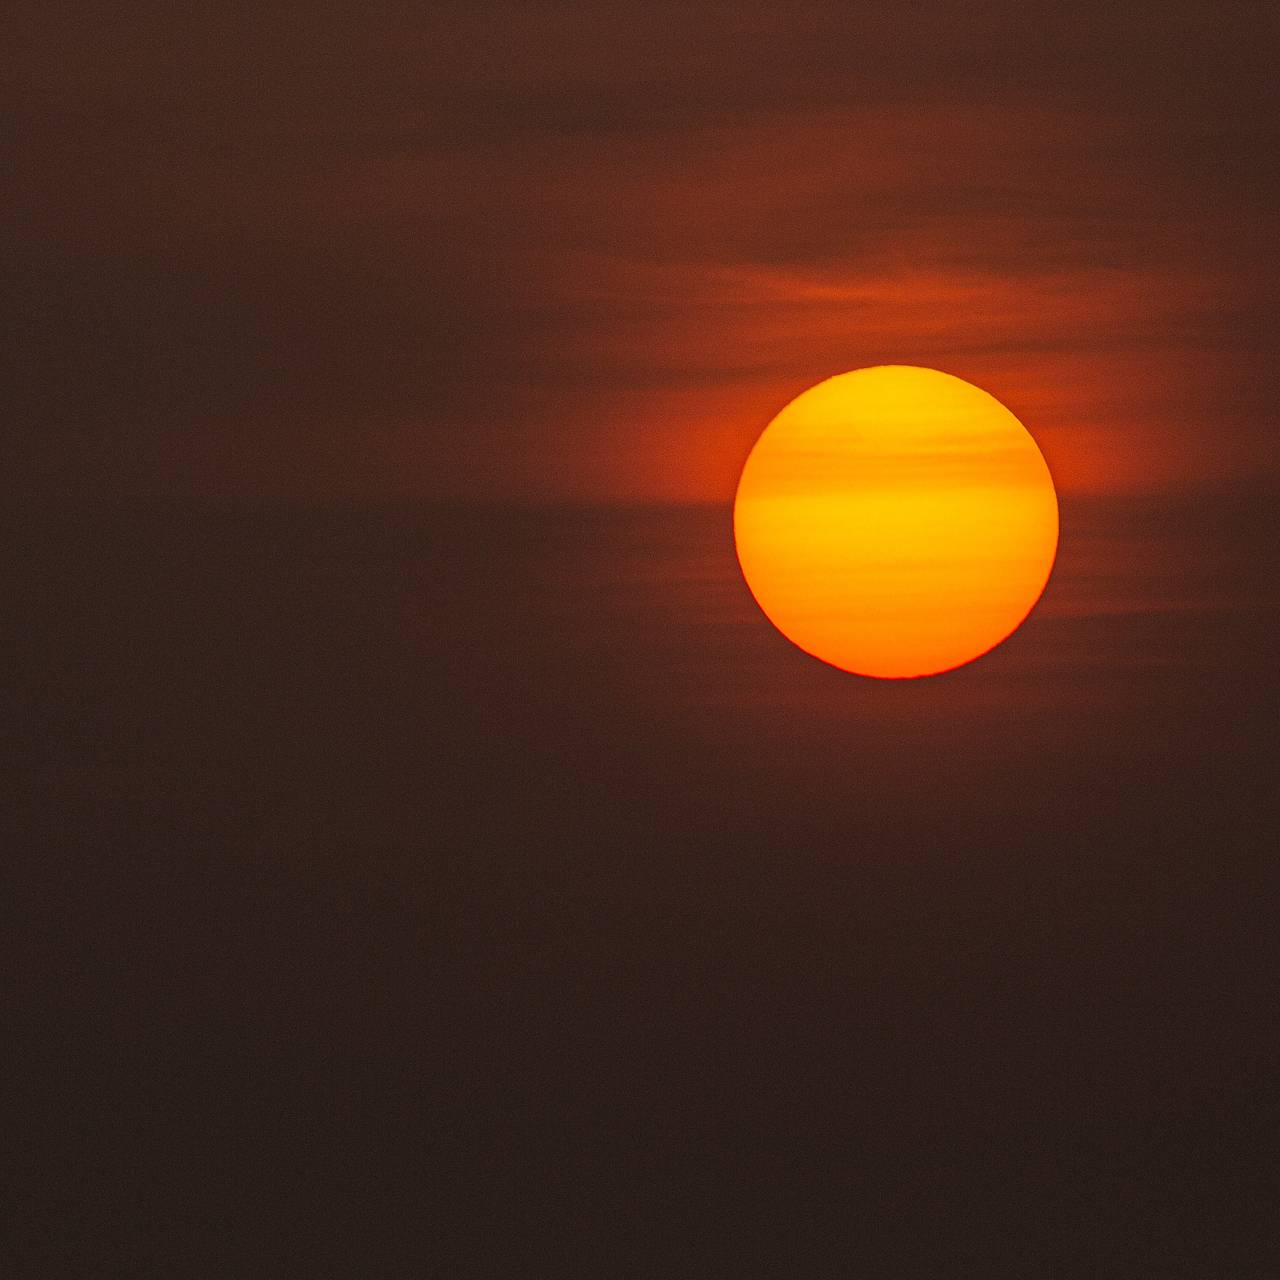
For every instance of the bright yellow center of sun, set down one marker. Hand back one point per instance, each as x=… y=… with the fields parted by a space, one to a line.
x=896 y=521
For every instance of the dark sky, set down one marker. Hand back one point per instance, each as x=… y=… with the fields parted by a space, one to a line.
x=533 y=250
x=477 y=889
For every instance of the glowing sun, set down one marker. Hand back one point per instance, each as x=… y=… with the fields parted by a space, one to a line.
x=896 y=522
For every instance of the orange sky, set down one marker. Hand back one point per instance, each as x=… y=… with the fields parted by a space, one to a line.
x=559 y=251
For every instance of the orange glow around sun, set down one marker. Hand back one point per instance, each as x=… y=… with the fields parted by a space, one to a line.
x=896 y=522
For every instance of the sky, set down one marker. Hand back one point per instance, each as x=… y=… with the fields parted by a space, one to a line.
x=585 y=252
x=414 y=876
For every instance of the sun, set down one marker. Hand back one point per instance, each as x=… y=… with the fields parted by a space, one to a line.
x=896 y=522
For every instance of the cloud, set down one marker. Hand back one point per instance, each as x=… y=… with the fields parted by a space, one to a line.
x=544 y=249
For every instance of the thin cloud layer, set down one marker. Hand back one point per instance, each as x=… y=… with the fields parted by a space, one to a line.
x=546 y=251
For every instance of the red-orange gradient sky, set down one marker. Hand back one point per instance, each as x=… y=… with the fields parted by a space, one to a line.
x=565 y=251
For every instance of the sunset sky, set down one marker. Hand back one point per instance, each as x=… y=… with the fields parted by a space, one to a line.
x=540 y=251
x=457 y=835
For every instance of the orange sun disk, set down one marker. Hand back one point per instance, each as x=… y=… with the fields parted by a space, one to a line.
x=896 y=522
